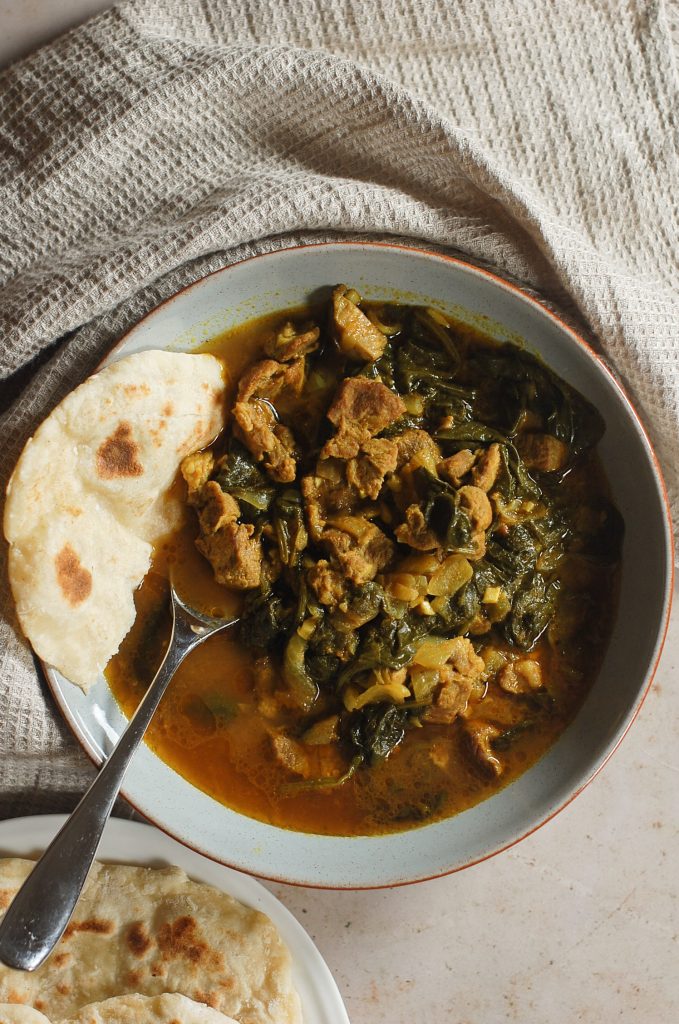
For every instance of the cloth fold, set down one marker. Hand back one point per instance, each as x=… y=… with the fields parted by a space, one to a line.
x=163 y=140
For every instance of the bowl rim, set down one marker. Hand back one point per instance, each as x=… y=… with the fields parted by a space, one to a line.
x=50 y=674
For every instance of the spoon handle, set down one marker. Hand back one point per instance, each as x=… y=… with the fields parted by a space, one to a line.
x=39 y=913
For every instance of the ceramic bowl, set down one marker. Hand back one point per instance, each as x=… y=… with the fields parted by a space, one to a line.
x=288 y=278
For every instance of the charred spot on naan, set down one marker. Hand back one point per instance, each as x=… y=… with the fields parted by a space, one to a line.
x=138 y=939
x=92 y=924
x=75 y=581
x=181 y=940
x=6 y=897
x=61 y=959
x=117 y=456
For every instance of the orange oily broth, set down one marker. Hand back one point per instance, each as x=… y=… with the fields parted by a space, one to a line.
x=210 y=731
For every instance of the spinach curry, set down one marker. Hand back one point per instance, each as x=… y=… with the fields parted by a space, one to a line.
x=418 y=535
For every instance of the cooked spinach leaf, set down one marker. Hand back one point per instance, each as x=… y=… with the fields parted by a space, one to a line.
x=518 y=384
x=442 y=513
x=512 y=733
x=460 y=610
x=532 y=610
x=287 y=516
x=329 y=648
x=265 y=620
x=290 y=788
x=377 y=729
x=237 y=473
x=387 y=643
x=424 y=364
x=512 y=554
x=382 y=369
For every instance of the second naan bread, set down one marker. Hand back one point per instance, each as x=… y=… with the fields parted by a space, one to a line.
x=169 y=1008
x=11 y=1013
x=152 y=931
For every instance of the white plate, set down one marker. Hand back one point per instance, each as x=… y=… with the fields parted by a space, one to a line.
x=129 y=842
x=287 y=278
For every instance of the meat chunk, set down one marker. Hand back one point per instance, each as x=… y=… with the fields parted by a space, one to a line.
x=542 y=452
x=456 y=466
x=312 y=761
x=291 y=755
x=257 y=422
x=359 y=548
x=416 y=442
x=288 y=343
x=272 y=381
x=196 y=470
x=314 y=492
x=475 y=503
x=367 y=471
x=327 y=583
x=483 y=465
x=480 y=736
x=450 y=701
x=464 y=660
x=520 y=676
x=360 y=409
x=324 y=731
x=234 y=554
x=485 y=472
x=217 y=508
x=326 y=495
x=458 y=677
x=415 y=532
x=477 y=548
x=356 y=336
x=270 y=442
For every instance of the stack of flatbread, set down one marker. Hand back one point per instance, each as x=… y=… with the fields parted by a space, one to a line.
x=90 y=495
x=150 y=946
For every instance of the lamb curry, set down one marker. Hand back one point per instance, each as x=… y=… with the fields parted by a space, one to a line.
x=413 y=524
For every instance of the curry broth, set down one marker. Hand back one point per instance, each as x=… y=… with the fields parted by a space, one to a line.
x=209 y=729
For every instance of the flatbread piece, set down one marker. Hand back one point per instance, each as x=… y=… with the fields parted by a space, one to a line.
x=150 y=931
x=88 y=498
x=169 y=1008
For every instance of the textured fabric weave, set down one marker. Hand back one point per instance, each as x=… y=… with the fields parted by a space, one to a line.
x=164 y=139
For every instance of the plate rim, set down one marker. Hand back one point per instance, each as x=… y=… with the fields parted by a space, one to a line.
x=542 y=309
x=319 y=993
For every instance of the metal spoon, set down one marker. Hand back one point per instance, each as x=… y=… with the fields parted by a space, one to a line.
x=39 y=913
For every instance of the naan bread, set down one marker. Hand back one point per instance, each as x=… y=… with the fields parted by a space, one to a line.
x=88 y=498
x=10 y=1013
x=151 y=931
x=170 y=1008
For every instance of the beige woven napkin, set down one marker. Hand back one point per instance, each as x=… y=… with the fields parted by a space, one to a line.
x=165 y=139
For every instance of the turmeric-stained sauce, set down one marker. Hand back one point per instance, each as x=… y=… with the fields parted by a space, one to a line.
x=227 y=703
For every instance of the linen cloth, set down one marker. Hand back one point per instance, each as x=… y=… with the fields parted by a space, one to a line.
x=163 y=140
